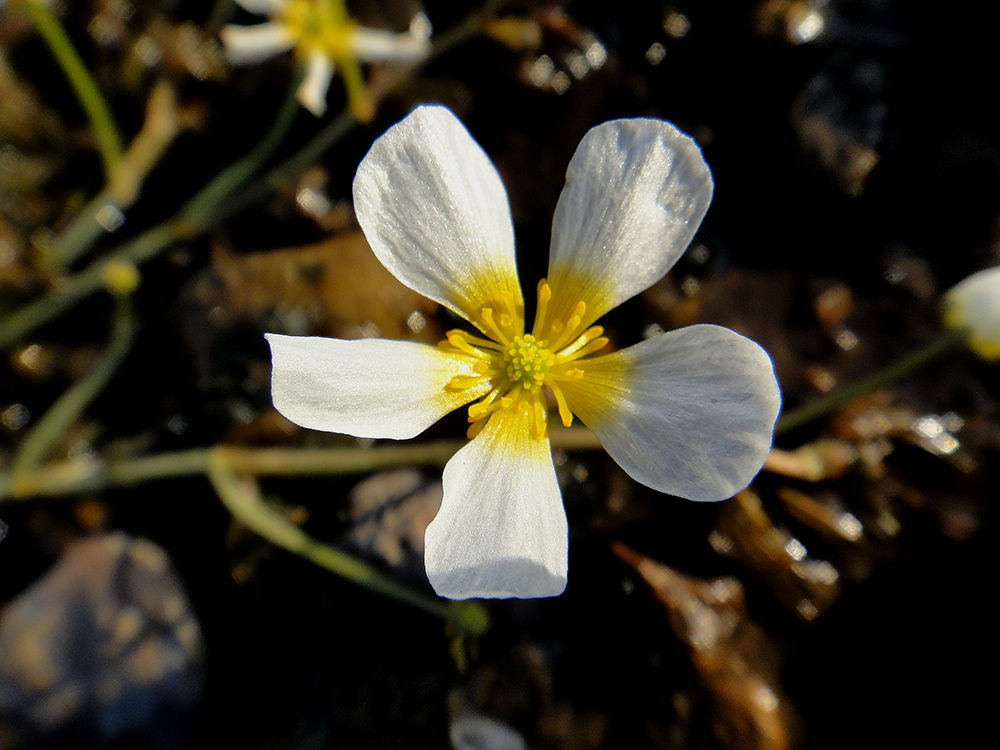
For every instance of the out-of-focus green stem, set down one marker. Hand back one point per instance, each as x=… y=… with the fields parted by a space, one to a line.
x=75 y=400
x=161 y=127
x=94 y=475
x=80 y=286
x=879 y=379
x=195 y=217
x=241 y=495
x=198 y=213
x=109 y=141
x=214 y=203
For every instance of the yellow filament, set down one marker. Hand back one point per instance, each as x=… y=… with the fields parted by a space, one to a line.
x=472 y=339
x=463 y=382
x=564 y=413
x=487 y=315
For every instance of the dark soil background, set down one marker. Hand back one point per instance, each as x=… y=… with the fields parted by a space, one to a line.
x=855 y=147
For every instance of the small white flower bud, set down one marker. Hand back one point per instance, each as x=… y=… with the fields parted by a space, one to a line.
x=973 y=305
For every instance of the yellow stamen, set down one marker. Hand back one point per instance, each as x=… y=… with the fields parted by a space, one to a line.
x=564 y=413
x=544 y=295
x=463 y=382
x=539 y=423
x=571 y=325
x=472 y=339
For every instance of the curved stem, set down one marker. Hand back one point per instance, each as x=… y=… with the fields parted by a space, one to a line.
x=78 y=397
x=241 y=496
x=879 y=379
x=109 y=141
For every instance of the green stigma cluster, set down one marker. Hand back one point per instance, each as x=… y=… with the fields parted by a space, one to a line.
x=528 y=361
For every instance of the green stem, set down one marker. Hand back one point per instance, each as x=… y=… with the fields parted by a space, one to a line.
x=75 y=400
x=213 y=204
x=28 y=318
x=199 y=212
x=241 y=495
x=880 y=379
x=194 y=218
x=162 y=125
x=109 y=141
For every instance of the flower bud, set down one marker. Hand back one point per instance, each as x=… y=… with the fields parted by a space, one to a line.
x=973 y=305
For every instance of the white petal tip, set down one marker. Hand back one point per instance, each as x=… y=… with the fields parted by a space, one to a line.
x=503 y=579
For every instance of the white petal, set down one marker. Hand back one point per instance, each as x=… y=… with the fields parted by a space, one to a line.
x=470 y=730
x=636 y=191
x=690 y=412
x=312 y=90
x=372 y=45
x=501 y=530
x=435 y=212
x=262 y=7
x=368 y=388
x=251 y=44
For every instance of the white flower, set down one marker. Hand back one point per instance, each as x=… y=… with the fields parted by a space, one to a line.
x=690 y=412
x=973 y=305
x=325 y=37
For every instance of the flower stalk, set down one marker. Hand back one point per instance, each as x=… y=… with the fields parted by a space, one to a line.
x=893 y=373
x=240 y=494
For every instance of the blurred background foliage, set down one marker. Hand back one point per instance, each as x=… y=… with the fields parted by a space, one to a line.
x=843 y=599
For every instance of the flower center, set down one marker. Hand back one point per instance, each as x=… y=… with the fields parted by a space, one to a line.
x=516 y=365
x=317 y=25
x=528 y=361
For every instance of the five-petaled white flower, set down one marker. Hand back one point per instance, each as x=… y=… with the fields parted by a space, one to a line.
x=689 y=412
x=324 y=36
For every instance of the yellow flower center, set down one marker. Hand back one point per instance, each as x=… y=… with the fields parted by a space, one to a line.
x=318 y=26
x=528 y=361
x=519 y=366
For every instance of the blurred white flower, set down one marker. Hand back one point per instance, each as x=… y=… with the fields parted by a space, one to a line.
x=690 y=412
x=973 y=305
x=325 y=37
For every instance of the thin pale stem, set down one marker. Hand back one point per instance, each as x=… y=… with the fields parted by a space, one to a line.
x=109 y=142
x=880 y=379
x=94 y=475
x=241 y=495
